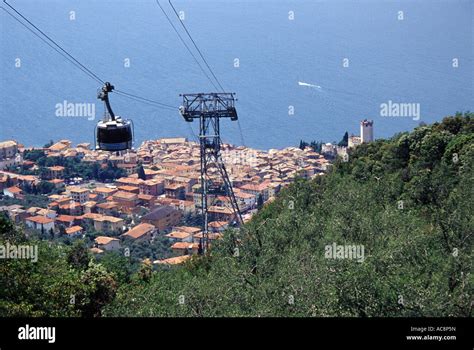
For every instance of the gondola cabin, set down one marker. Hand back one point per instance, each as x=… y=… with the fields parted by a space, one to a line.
x=113 y=133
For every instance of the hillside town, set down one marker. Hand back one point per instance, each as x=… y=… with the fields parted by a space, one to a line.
x=148 y=197
x=155 y=196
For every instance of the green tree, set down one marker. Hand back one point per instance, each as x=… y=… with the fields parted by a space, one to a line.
x=345 y=140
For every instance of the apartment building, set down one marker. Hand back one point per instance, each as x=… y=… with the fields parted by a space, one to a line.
x=80 y=195
x=163 y=218
x=108 y=224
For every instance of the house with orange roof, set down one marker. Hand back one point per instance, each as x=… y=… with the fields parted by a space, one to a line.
x=183 y=233
x=175 y=191
x=128 y=188
x=176 y=260
x=46 y=212
x=184 y=248
x=13 y=192
x=59 y=146
x=40 y=223
x=58 y=183
x=126 y=201
x=245 y=200
x=54 y=172
x=88 y=218
x=129 y=168
x=146 y=200
x=154 y=187
x=218 y=226
x=107 y=243
x=107 y=208
x=181 y=205
x=141 y=232
x=66 y=220
x=74 y=231
x=104 y=192
x=129 y=181
x=71 y=208
x=210 y=235
x=89 y=206
x=261 y=189
x=221 y=213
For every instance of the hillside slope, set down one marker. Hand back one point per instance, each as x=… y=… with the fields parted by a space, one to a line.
x=408 y=201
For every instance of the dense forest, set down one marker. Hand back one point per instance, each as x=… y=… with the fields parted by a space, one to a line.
x=407 y=200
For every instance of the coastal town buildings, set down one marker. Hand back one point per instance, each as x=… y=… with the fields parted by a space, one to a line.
x=160 y=202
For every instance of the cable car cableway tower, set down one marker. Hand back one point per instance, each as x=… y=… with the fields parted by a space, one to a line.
x=209 y=108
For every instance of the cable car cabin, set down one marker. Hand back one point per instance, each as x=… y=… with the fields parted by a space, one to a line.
x=114 y=135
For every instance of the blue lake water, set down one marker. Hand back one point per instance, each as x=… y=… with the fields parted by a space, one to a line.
x=409 y=60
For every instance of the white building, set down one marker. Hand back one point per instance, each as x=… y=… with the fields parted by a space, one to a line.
x=366 y=131
x=353 y=141
x=9 y=154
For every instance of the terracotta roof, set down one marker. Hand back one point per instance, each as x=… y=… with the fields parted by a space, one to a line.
x=159 y=213
x=220 y=210
x=104 y=190
x=124 y=195
x=174 y=260
x=178 y=234
x=78 y=190
x=56 y=168
x=91 y=216
x=130 y=180
x=108 y=218
x=255 y=187
x=73 y=229
x=139 y=231
x=59 y=145
x=69 y=205
x=211 y=235
x=242 y=194
x=40 y=219
x=14 y=189
x=56 y=181
x=104 y=240
x=33 y=210
x=107 y=205
x=44 y=212
x=184 y=245
x=66 y=218
x=188 y=229
x=152 y=182
x=218 y=224
x=128 y=188
x=146 y=197
x=173 y=186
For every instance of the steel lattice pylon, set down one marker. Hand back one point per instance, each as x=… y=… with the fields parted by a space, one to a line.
x=209 y=108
